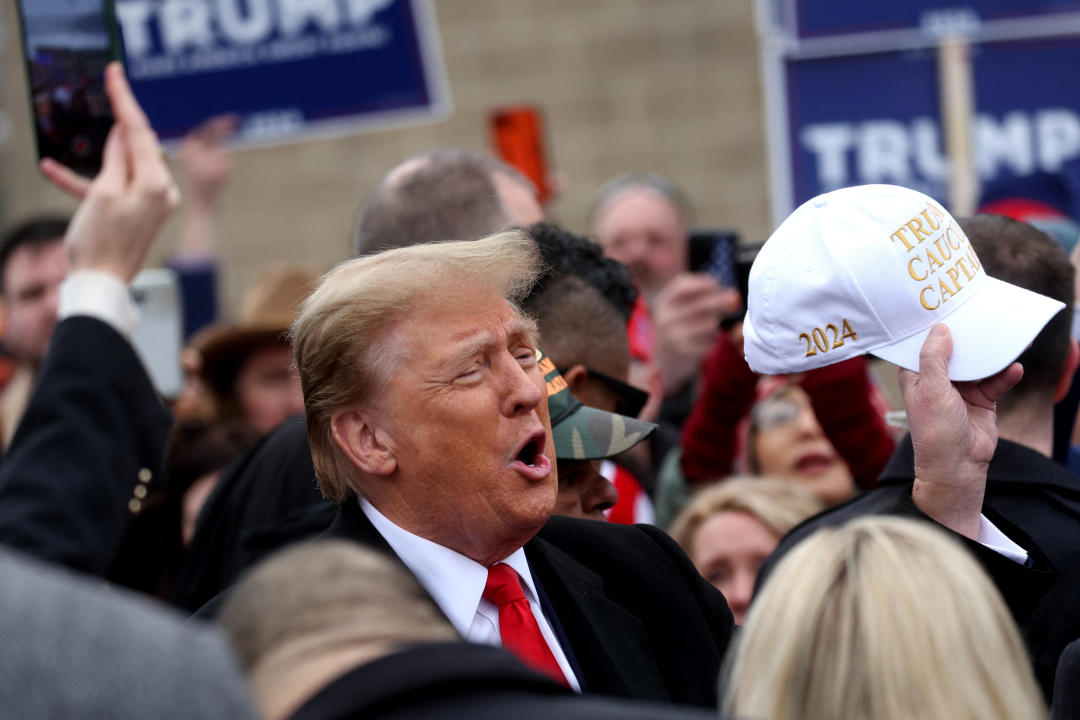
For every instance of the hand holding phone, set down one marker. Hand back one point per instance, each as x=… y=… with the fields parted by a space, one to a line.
x=66 y=47
x=125 y=206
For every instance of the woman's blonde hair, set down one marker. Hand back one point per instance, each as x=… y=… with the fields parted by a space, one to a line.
x=338 y=337
x=882 y=618
x=776 y=503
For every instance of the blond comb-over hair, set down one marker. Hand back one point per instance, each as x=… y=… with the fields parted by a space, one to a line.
x=338 y=337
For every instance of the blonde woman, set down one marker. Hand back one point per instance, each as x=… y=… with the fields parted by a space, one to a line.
x=880 y=619
x=729 y=529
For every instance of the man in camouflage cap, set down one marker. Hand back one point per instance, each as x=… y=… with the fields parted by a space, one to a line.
x=583 y=437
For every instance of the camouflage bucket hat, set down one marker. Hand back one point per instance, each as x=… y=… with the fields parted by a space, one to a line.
x=582 y=432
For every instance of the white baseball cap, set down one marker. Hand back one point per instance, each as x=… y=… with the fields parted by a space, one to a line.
x=870 y=269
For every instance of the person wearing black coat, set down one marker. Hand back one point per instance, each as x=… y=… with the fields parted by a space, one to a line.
x=1027 y=494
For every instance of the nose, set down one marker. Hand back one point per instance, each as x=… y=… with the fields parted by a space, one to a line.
x=807 y=423
x=52 y=302
x=523 y=387
x=598 y=495
x=739 y=594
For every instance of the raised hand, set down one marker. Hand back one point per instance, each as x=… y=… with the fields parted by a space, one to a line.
x=954 y=433
x=686 y=316
x=125 y=206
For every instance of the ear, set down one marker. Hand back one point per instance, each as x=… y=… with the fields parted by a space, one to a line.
x=577 y=380
x=1072 y=359
x=363 y=441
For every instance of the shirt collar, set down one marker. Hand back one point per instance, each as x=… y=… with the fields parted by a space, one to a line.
x=455 y=582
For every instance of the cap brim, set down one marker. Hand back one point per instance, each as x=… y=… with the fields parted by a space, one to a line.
x=592 y=434
x=988 y=331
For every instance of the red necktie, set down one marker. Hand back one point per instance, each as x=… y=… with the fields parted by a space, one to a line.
x=517 y=625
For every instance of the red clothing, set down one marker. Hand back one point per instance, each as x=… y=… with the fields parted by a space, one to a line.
x=841 y=395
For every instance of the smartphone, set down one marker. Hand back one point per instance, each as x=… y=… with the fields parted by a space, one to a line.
x=159 y=336
x=714 y=252
x=66 y=45
x=517 y=136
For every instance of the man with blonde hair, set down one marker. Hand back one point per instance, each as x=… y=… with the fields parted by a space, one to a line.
x=428 y=422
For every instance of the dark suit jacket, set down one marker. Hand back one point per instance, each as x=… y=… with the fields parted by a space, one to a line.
x=1035 y=502
x=639 y=620
x=448 y=681
x=94 y=424
x=254 y=495
x=1066 y=705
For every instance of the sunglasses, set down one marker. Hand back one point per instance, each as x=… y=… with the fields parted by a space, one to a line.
x=629 y=400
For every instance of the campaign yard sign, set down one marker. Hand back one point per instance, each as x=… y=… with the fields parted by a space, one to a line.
x=289 y=69
x=854 y=98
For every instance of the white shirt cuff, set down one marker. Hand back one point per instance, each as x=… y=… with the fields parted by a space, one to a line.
x=100 y=295
x=991 y=537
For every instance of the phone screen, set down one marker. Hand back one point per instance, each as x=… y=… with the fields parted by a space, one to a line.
x=715 y=252
x=66 y=46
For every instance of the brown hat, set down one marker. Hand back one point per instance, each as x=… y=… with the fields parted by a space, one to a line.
x=267 y=311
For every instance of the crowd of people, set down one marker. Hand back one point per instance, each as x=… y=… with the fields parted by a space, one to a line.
x=489 y=467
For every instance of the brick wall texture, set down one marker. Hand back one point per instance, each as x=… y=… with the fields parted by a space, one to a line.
x=625 y=85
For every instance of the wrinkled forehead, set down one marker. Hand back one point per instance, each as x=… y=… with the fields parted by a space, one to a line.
x=443 y=324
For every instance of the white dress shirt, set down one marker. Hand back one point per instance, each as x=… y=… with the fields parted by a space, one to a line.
x=100 y=295
x=456 y=583
x=999 y=542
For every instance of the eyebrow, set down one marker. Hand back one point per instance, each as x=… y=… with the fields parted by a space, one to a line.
x=527 y=326
x=484 y=340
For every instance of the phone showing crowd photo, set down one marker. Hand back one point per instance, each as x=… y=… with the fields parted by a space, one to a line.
x=66 y=46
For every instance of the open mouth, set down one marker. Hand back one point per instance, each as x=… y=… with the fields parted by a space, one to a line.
x=531 y=460
x=533 y=449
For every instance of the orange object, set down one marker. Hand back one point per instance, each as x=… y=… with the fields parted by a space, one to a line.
x=517 y=136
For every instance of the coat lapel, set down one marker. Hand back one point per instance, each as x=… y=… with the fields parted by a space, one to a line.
x=608 y=642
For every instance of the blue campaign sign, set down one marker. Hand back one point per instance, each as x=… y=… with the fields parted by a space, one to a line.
x=820 y=18
x=875 y=118
x=852 y=92
x=287 y=68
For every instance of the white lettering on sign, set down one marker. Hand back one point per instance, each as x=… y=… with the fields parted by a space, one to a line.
x=1004 y=143
x=891 y=151
x=830 y=143
x=297 y=15
x=1058 y=134
x=185 y=25
x=248 y=28
x=192 y=25
x=882 y=152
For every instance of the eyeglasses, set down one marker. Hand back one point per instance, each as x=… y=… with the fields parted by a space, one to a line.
x=629 y=400
x=774 y=412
